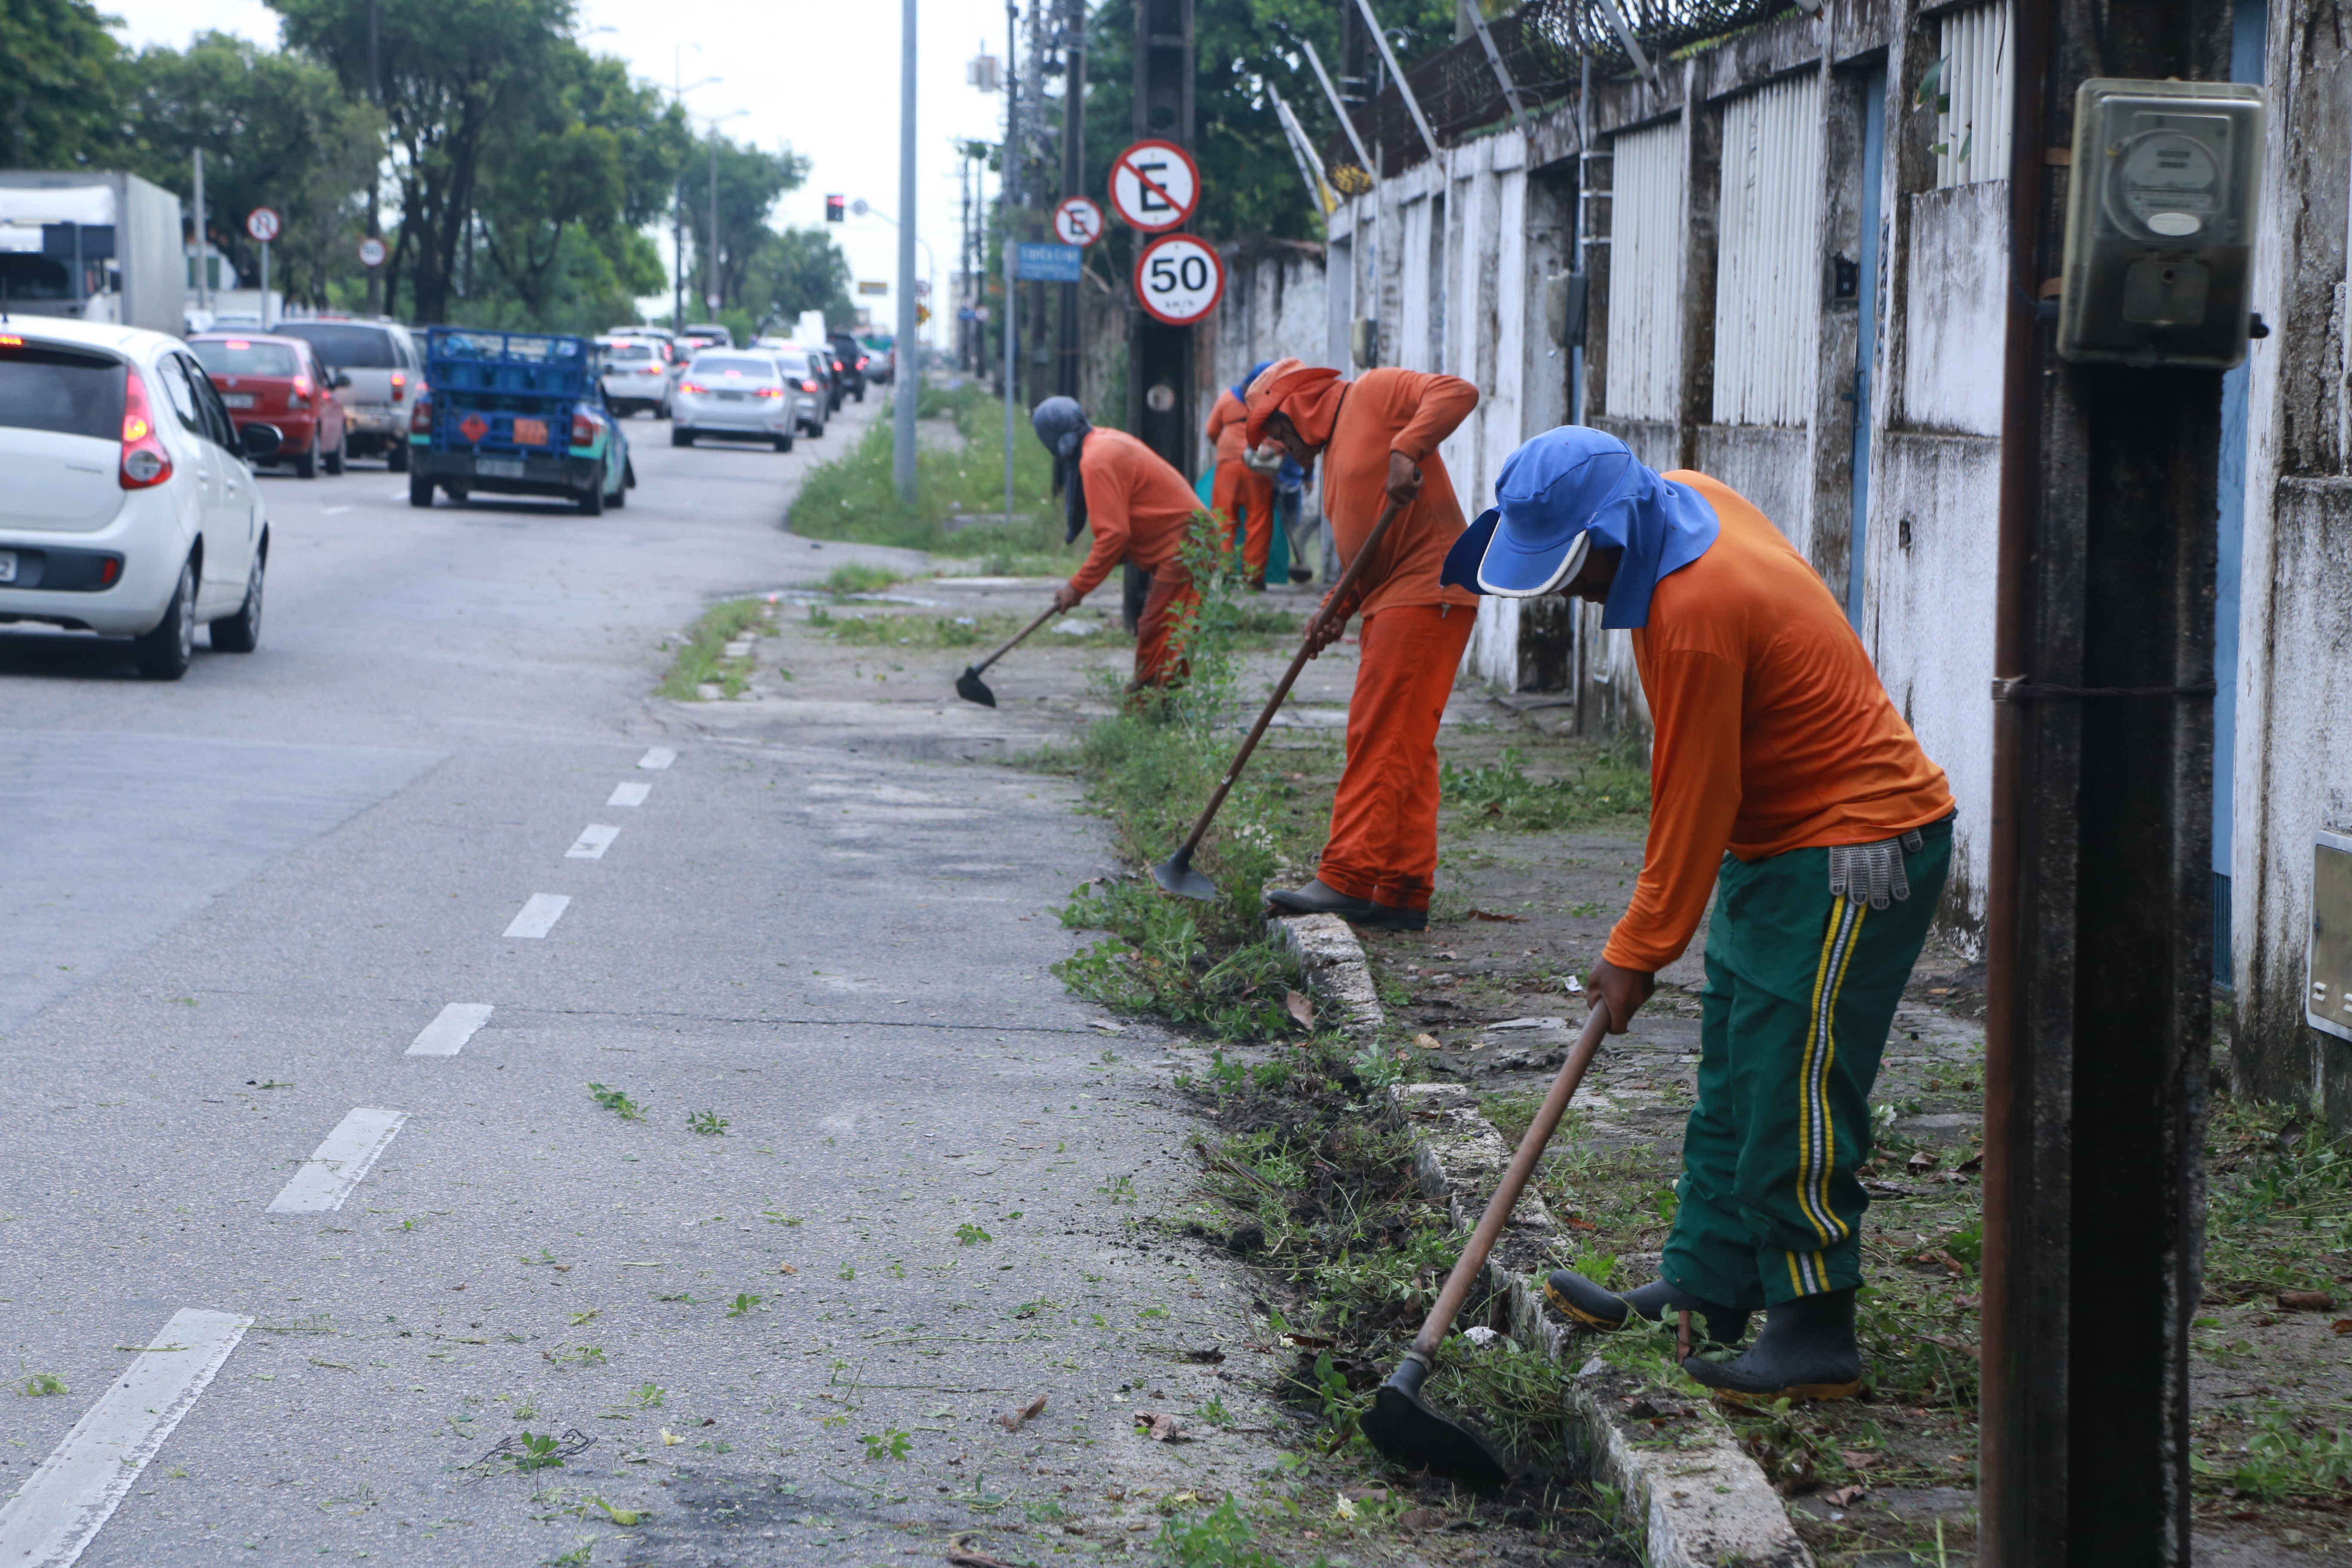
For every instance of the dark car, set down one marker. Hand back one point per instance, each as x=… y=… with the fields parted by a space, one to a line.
x=849 y=358
x=264 y=379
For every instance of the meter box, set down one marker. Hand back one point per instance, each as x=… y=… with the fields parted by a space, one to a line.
x=2328 y=1003
x=2160 y=222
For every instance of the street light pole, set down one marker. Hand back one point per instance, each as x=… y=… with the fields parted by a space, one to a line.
x=908 y=390
x=1007 y=186
x=711 y=256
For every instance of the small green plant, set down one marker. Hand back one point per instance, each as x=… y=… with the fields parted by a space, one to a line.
x=970 y=1235
x=42 y=1384
x=617 y=1101
x=710 y=1123
x=858 y=578
x=1120 y=1190
x=777 y=1217
x=650 y=1396
x=702 y=658
x=534 y=1451
x=1214 y=1412
x=848 y=1271
x=744 y=1305
x=1221 y=1538
x=890 y=1444
x=1501 y=794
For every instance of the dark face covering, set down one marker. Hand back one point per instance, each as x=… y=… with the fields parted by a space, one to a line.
x=1062 y=426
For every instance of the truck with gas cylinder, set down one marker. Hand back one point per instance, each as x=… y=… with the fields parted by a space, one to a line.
x=516 y=414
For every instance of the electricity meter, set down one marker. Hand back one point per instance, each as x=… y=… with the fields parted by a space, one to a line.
x=2160 y=222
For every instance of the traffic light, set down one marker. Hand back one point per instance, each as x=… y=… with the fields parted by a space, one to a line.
x=835 y=208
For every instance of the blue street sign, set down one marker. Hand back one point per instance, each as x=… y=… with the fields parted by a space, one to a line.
x=1047 y=263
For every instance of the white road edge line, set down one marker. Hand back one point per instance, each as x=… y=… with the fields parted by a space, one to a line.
x=337 y=511
x=658 y=757
x=540 y=914
x=327 y=1176
x=630 y=794
x=447 y=1035
x=593 y=840
x=64 y=1504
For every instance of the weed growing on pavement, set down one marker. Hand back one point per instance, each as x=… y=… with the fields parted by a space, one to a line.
x=42 y=1384
x=1221 y=1538
x=617 y=1102
x=744 y=1305
x=890 y=1444
x=1613 y=783
x=858 y=577
x=702 y=658
x=852 y=497
x=970 y=1235
x=710 y=1123
x=533 y=1451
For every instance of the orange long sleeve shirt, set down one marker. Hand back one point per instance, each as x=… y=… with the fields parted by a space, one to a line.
x=1772 y=731
x=1137 y=506
x=1224 y=428
x=1406 y=411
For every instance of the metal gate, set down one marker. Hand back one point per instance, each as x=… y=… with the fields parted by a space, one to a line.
x=1767 y=291
x=1973 y=90
x=1647 y=231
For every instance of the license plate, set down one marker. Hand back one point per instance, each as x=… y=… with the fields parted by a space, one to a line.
x=531 y=432
x=238 y=399
x=731 y=397
x=7 y=566
x=499 y=468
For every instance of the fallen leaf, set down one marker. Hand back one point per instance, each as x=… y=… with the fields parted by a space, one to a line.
x=1105 y=1025
x=1013 y=1420
x=563 y=1269
x=1973 y=1163
x=1160 y=1428
x=1843 y=1498
x=1920 y=1163
x=1427 y=1042
x=2306 y=1302
x=1860 y=1459
x=2342 y=1325
x=669 y=1438
x=963 y=1555
x=786 y=1268
x=1300 y=1008
x=1499 y=919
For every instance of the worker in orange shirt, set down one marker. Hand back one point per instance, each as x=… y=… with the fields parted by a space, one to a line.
x=1141 y=508
x=1377 y=437
x=1784 y=782
x=1241 y=493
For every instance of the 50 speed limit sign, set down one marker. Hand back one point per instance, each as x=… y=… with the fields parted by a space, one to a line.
x=1179 y=279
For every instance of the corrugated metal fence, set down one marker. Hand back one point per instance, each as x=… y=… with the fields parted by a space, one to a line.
x=1646 y=236
x=1767 y=297
x=1974 y=82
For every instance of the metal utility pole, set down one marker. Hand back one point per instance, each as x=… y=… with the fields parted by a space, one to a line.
x=711 y=251
x=2097 y=935
x=203 y=262
x=374 y=213
x=1008 y=188
x=908 y=386
x=1074 y=178
x=1160 y=367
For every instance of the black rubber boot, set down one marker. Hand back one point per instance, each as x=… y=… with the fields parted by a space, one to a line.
x=1388 y=917
x=1579 y=1299
x=1807 y=1351
x=1315 y=899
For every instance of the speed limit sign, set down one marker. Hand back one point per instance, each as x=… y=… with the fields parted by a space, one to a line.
x=1155 y=185
x=1179 y=279
x=262 y=223
x=1077 y=221
x=372 y=252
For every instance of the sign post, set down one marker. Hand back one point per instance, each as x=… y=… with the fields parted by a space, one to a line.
x=264 y=225
x=1154 y=186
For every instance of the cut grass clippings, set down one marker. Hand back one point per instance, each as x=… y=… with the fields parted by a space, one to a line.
x=702 y=658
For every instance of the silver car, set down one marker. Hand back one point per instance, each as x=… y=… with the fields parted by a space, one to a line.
x=806 y=381
x=636 y=376
x=387 y=377
x=736 y=394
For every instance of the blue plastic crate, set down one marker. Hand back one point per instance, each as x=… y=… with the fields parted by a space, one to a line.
x=531 y=364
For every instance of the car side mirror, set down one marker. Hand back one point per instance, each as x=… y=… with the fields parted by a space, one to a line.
x=262 y=441
x=342 y=379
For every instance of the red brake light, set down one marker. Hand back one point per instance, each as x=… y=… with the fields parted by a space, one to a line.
x=692 y=386
x=808 y=386
x=301 y=386
x=420 y=418
x=10 y=340
x=584 y=426
x=145 y=463
x=399 y=385
x=768 y=392
x=239 y=343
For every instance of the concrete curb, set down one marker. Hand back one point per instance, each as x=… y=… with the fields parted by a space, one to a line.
x=1327 y=948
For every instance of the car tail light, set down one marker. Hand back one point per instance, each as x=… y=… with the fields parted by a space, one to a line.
x=808 y=386
x=301 y=396
x=768 y=392
x=420 y=418
x=145 y=463
x=836 y=365
x=584 y=426
x=863 y=362
x=109 y=571
x=400 y=386
x=692 y=386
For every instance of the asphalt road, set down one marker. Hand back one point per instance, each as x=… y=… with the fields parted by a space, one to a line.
x=309 y=1206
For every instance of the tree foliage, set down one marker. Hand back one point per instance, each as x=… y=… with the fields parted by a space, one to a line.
x=746 y=183
x=57 y=65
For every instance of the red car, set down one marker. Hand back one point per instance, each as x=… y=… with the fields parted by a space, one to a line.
x=281 y=382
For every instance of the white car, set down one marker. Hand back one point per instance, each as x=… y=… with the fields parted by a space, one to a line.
x=801 y=383
x=735 y=393
x=130 y=508
x=636 y=376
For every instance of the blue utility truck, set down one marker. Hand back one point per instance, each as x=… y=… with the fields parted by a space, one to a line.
x=516 y=414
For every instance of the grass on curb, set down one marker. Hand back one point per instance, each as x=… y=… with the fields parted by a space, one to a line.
x=854 y=497
x=702 y=658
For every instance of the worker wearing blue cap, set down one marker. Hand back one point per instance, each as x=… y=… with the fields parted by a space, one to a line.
x=1784 y=782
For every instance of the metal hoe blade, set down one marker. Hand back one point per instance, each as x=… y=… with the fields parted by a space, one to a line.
x=972 y=688
x=1176 y=875
x=1406 y=1430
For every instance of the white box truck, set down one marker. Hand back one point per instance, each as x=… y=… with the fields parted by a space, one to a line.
x=93 y=247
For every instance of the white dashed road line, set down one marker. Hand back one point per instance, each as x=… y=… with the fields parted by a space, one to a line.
x=658 y=757
x=327 y=1177
x=539 y=915
x=630 y=794
x=593 y=840
x=447 y=1035
x=69 y=1499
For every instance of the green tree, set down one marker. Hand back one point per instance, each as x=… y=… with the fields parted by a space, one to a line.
x=749 y=183
x=56 y=83
x=799 y=269
x=277 y=130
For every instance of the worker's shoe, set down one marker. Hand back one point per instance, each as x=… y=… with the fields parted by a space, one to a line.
x=1255 y=584
x=1807 y=1351
x=1388 y=917
x=1315 y=899
x=1580 y=1299
x=1301 y=574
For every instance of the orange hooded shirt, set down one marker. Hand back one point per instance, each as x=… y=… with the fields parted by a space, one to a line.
x=1227 y=427
x=1358 y=424
x=1138 y=508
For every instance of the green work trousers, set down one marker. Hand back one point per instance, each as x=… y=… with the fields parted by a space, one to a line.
x=1800 y=992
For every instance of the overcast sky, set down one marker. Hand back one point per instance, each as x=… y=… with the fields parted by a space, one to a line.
x=820 y=76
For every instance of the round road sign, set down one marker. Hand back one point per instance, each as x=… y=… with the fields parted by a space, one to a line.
x=372 y=252
x=1179 y=279
x=1077 y=221
x=1154 y=186
x=263 y=225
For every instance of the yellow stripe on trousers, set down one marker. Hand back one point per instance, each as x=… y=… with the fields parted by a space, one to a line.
x=1816 y=1134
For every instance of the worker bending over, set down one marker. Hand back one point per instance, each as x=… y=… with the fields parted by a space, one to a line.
x=1241 y=492
x=1140 y=509
x=1377 y=437
x=1783 y=780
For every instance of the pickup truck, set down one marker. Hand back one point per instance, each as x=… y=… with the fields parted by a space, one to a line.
x=516 y=414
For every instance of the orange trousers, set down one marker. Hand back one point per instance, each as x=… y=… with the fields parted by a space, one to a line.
x=1239 y=494
x=1383 y=844
x=1172 y=591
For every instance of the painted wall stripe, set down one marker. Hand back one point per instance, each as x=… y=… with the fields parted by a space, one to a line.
x=630 y=794
x=538 y=915
x=447 y=1035
x=658 y=757
x=593 y=840
x=327 y=1176
x=65 y=1503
